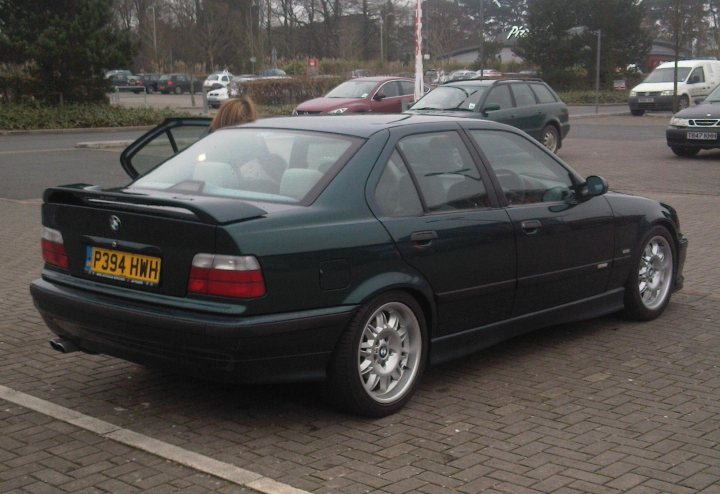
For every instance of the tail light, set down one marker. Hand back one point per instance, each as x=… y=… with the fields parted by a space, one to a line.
x=53 y=249
x=169 y=83
x=226 y=276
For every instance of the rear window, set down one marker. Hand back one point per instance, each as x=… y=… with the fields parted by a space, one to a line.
x=256 y=164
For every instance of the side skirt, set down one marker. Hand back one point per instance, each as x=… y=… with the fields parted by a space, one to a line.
x=460 y=344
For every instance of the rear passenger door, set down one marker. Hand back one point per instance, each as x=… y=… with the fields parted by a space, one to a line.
x=528 y=115
x=436 y=204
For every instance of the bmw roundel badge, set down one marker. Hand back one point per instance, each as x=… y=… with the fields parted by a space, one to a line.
x=115 y=223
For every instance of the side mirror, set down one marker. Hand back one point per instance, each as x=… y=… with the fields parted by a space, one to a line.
x=595 y=186
x=491 y=107
x=694 y=80
x=379 y=95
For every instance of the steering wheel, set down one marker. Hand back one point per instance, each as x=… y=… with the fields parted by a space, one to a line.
x=557 y=193
x=512 y=185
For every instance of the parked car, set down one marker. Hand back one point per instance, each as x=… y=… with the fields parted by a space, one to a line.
x=381 y=94
x=273 y=74
x=217 y=97
x=149 y=81
x=178 y=84
x=217 y=80
x=460 y=75
x=354 y=74
x=696 y=128
x=695 y=80
x=488 y=73
x=124 y=80
x=356 y=249
x=528 y=104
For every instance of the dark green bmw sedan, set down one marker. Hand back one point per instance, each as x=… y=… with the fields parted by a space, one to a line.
x=352 y=249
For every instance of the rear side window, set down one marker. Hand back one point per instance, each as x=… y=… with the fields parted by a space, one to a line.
x=444 y=171
x=544 y=95
x=395 y=193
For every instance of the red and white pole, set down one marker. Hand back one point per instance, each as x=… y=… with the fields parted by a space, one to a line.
x=418 y=51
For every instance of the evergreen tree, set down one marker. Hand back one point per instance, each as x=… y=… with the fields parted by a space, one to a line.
x=553 y=44
x=69 y=44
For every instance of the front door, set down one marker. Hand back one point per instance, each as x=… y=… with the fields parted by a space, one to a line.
x=564 y=246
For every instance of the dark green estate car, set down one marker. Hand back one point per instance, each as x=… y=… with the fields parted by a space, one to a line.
x=528 y=104
x=355 y=249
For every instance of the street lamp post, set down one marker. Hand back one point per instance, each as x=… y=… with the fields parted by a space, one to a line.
x=155 y=39
x=381 y=40
x=597 y=72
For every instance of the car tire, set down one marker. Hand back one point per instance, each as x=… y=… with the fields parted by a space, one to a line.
x=550 y=138
x=149 y=90
x=178 y=90
x=381 y=356
x=637 y=113
x=650 y=284
x=685 y=152
x=683 y=102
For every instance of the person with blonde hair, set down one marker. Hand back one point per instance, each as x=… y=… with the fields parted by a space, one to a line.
x=233 y=112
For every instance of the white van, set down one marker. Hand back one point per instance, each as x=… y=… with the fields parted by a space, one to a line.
x=696 y=78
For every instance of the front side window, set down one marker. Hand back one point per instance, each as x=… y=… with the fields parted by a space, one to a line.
x=444 y=171
x=255 y=164
x=526 y=173
x=697 y=74
x=500 y=95
x=390 y=89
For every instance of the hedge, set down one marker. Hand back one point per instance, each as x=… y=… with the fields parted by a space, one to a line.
x=69 y=116
x=290 y=91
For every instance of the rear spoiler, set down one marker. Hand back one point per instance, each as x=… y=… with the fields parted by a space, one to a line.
x=205 y=209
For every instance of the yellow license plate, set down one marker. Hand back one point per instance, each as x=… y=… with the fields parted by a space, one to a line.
x=123 y=266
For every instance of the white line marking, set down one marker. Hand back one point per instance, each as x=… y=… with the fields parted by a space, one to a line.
x=196 y=461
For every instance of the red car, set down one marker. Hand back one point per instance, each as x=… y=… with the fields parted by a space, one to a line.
x=382 y=94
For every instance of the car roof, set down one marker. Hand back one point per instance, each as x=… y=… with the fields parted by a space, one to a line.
x=381 y=78
x=363 y=125
x=488 y=82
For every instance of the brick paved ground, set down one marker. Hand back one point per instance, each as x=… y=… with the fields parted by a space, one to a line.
x=601 y=406
x=39 y=454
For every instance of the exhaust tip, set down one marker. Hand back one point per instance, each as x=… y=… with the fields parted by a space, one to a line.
x=63 y=346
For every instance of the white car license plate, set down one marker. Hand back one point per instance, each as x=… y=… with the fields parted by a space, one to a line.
x=702 y=136
x=646 y=100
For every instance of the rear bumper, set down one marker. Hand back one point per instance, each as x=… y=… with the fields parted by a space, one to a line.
x=678 y=138
x=280 y=347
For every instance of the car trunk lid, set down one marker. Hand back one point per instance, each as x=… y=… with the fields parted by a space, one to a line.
x=138 y=241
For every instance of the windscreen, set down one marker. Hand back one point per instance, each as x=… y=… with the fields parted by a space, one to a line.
x=352 y=89
x=451 y=98
x=666 y=74
x=255 y=164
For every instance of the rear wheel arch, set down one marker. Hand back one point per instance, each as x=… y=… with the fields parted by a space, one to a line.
x=380 y=357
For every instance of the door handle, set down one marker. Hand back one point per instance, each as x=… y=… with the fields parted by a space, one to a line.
x=530 y=227
x=423 y=238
